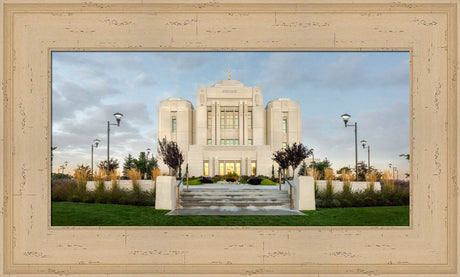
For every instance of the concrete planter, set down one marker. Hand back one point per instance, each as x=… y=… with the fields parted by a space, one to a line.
x=355 y=186
x=145 y=185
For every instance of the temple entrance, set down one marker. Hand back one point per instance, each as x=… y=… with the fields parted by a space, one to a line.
x=228 y=167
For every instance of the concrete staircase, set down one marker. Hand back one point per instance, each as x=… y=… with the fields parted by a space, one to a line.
x=234 y=200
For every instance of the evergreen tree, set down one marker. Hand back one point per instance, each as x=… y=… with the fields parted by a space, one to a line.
x=130 y=162
x=321 y=167
x=113 y=164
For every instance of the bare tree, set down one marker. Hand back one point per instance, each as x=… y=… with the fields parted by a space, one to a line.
x=171 y=155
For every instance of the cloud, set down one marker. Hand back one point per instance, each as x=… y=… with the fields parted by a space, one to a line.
x=386 y=130
x=144 y=80
x=344 y=73
x=283 y=73
x=395 y=76
x=76 y=135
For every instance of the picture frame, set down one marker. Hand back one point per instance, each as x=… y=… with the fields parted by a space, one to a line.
x=31 y=30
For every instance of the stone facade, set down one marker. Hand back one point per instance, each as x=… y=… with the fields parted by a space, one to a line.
x=229 y=130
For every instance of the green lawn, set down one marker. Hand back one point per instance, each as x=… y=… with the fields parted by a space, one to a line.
x=80 y=214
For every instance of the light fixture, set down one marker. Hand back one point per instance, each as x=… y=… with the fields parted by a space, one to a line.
x=346 y=117
x=118 y=117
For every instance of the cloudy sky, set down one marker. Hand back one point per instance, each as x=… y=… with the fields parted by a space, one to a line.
x=373 y=87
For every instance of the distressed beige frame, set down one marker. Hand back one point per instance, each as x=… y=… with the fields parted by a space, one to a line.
x=31 y=30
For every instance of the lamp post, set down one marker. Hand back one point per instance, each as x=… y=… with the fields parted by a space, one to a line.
x=96 y=141
x=147 y=163
x=345 y=118
x=313 y=160
x=363 y=142
x=118 y=117
x=63 y=166
x=394 y=168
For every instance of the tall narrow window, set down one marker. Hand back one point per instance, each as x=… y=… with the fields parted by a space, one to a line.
x=209 y=119
x=284 y=145
x=235 y=119
x=284 y=125
x=249 y=119
x=238 y=168
x=174 y=125
x=206 y=169
x=209 y=141
x=253 y=168
x=221 y=168
x=249 y=141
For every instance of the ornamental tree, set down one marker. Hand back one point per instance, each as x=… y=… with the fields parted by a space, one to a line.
x=171 y=155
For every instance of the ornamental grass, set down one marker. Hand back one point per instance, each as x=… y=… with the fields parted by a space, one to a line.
x=371 y=178
x=329 y=176
x=347 y=178
x=99 y=177
x=81 y=176
x=115 y=178
x=134 y=175
x=388 y=182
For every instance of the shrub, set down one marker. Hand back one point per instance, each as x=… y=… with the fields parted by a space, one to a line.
x=268 y=182
x=216 y=179
x=57 y=176
x=194 y=182
x=63 y=189
x=206 y=180
x=401 y=184
x=244 y=179
x=254 y=181
x=367 y=198
x=231 y=177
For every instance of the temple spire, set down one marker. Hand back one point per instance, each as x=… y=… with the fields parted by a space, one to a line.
x=228 y=71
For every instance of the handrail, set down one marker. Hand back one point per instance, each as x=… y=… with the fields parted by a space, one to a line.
x=178 y=189
x=290 y=189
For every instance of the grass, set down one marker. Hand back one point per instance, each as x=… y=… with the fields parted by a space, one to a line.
x=81 y=214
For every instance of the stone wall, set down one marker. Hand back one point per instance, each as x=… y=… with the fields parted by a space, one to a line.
x=145 y=185
x=355 y=186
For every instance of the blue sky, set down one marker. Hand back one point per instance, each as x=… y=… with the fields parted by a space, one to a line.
x=373 y=87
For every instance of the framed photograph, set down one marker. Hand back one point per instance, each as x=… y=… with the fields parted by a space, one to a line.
x=33 y=32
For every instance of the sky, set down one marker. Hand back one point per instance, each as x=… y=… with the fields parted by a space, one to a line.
x=373 y=87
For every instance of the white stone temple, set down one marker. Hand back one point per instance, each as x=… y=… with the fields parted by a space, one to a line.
x=229 y=130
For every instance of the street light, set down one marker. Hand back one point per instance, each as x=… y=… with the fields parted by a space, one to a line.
x=118 y=117
x=363 y=142
x=63 y=167
x=146 y=163
x=394 y=169
x=345 y=118
x=96 y=141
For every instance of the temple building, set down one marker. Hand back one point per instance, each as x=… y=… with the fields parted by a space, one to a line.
x=229 y=130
